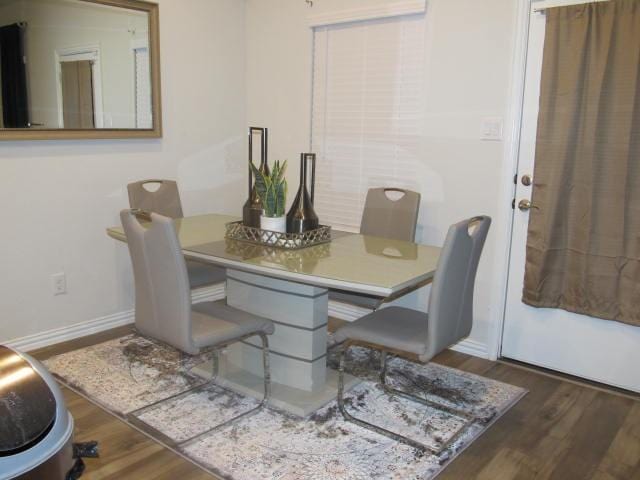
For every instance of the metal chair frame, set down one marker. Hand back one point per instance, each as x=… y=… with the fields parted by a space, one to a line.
x=133 y=416
x=470 y=419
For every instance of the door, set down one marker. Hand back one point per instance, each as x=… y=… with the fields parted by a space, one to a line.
x=77 y=94
x=595 y=349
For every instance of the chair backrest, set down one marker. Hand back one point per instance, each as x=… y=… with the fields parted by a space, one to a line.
x=451 y=301
x=165 y=200
x=384 y=217
x=163 y=296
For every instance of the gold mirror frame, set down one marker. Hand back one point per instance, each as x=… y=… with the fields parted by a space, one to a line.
x=152 y=9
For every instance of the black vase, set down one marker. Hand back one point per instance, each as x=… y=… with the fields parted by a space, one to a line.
x=253 y=206
x=302 y=217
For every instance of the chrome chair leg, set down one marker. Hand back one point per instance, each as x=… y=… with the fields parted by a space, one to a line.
x=439 y=406
x=370 y=426
x=133 y=416
x=207 y=383
x=253 y=411
x=267 y=369
x=215 y=366
x=383 y=431
x=383 y=367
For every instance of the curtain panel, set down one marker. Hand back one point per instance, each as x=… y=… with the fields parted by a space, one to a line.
x=583 y=245
x=14 y=77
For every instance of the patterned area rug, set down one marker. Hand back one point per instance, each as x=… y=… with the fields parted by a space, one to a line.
x=130 y=376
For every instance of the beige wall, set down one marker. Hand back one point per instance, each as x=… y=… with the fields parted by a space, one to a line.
x=59 y=196
x=227 y=64
x=468 y=64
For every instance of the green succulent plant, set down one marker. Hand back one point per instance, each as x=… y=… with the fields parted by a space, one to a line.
x=272 y=188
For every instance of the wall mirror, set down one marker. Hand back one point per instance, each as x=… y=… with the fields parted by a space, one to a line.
x=74 y=69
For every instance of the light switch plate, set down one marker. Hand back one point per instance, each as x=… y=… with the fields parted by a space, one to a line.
x=491 y=128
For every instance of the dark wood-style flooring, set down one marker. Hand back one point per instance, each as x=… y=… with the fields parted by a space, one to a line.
x=561 y=430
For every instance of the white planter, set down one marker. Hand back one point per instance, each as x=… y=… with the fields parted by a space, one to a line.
x=275 y=224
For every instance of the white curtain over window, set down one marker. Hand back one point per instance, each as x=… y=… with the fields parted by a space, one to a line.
x=144 y=117
x=368 y=108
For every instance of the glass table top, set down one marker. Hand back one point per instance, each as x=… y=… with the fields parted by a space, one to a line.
x=355 y=262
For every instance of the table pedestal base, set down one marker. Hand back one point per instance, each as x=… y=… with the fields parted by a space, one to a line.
x=298 y=347
x=293 y=400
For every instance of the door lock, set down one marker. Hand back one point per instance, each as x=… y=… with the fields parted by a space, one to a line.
x=526 y=180
x=525 y=205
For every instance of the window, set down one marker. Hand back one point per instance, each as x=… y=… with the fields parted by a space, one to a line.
x=144 y=116
x=368 y=108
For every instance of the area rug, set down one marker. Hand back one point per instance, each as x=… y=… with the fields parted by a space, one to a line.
x=134 y=374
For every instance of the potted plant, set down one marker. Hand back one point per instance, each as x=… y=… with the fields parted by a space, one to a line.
x=272 y=190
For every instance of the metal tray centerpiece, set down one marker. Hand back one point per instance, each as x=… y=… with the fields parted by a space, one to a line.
x=300 y=228
x=269 y=238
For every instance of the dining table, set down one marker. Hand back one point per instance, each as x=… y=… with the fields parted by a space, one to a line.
x=290 y=287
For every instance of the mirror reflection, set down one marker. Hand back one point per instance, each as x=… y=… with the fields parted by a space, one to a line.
x=71 y=64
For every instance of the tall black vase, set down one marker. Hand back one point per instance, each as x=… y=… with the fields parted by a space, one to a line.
x=302 y=217
x=253 y=206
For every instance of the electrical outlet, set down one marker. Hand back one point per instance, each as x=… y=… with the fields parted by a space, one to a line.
x=59 y=283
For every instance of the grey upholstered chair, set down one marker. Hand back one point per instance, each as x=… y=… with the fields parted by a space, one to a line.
x=163 y=307
x=424 y=335
x=166 y=201
x=387 y=218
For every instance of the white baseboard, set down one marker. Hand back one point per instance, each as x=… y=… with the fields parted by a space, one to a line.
x=209 y=294
x=472 y=347
x=339 y=310
x=347 y=312
x=59 y=335
x=83 y=329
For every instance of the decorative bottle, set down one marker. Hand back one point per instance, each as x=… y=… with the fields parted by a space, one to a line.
x=252 y=209
x=302 y=217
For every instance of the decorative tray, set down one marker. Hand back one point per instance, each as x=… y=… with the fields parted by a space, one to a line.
x=269 y=238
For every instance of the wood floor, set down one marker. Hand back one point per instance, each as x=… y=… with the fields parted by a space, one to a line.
x=560 y=430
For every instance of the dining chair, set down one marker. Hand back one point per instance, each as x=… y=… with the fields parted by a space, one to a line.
x=163 y=308
x=408 y=332
x=388 y=218
x=166 y=201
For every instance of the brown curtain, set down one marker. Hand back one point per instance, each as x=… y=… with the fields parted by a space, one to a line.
x=15 y=102
x=583 y=246
x=77 y=94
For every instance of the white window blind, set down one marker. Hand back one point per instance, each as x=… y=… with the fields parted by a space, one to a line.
x=368 y=108
x=144 y=117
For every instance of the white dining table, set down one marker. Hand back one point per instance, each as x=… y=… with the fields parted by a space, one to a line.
x=291 y=288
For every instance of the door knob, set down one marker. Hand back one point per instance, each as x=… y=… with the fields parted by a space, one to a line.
x=525 y=205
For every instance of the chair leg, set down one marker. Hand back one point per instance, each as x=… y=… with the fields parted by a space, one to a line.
x=214 y=375
x=215 y=366
x=383 y=367
x=267 y=369
x=390 y=390
x=394 y=391
x=370 y=426
x=253 y=411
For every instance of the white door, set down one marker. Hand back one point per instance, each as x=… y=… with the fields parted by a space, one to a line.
x=592 y=348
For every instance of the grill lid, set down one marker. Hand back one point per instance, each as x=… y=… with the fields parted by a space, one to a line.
x=27 y=405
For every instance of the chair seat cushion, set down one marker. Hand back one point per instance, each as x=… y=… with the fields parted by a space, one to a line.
x=394 y=328
x=214 y=323
x=201 y=274
x=358 y=299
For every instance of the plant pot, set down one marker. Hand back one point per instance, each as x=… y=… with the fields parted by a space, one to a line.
x=274 y=224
